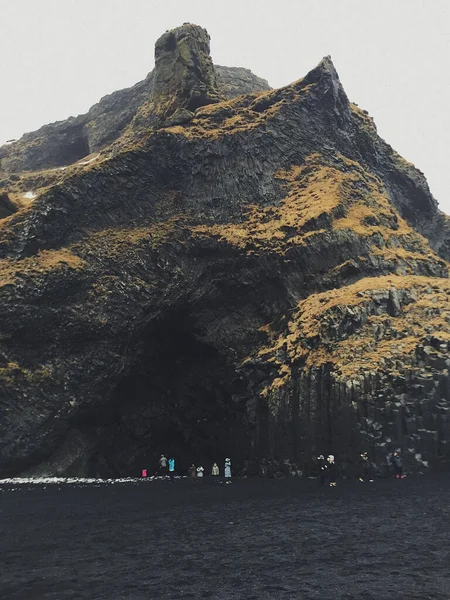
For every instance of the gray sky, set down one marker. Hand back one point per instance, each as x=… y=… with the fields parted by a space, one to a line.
x=58 y=57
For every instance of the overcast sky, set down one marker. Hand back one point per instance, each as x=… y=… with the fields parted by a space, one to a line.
x=58 y=57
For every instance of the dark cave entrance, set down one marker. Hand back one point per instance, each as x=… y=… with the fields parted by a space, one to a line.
x=72 y=144
x=181 y=398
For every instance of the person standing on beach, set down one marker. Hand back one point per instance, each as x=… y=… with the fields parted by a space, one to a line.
x=332 y=470
x=397 y=463
x=192 y=471
x=215 y=470
x=323 y=468
x=263 y=468
x=200 y=470
x=365 y=468
x=163 y=465
x=171 y=468
x=228 y=470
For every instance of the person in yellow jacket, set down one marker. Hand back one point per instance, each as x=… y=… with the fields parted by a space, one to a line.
x=215 y=470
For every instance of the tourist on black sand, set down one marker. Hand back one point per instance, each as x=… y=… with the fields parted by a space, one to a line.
x=215 y=470
x=331 y=470
x=171 y=468
x=200 y=470
x=192 y=470
x=398 y=465
x=365 y=468
x=163 y=465
x=228 y=470
x=323 y=468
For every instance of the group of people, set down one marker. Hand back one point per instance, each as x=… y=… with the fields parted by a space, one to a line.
x=326 y=468
x=166 y=466
x=198 y=472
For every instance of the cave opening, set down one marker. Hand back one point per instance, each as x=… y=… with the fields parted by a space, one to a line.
x=74 y=146
x=182 y=398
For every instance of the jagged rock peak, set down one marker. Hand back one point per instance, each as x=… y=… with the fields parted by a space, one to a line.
x=326 y=65
x=327 y=77
x=184 y=77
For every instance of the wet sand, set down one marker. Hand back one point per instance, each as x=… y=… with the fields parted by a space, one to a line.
x=251 y=540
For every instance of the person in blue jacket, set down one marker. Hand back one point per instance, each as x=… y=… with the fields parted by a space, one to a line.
x=171 y=468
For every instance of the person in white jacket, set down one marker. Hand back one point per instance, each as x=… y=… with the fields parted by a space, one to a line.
x=215 y=470
x=200 y=471
x=228 y=470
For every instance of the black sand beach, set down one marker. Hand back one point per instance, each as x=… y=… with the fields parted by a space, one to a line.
x=251 y=540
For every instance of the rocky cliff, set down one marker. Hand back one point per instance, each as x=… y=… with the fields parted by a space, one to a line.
x=265 y=278
x=183 y=61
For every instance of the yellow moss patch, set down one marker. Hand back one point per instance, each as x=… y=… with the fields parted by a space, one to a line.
x=320 y=198
x=240 y=114
x=44 y=262
x=310 y=310
x=396 y=254
x=314 y=191
x=12 y=373
x=117 y=243
x=380 y=342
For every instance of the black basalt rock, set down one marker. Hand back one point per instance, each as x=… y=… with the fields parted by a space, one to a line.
x=262 y=278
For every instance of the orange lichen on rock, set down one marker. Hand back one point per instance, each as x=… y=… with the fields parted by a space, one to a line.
x=12 y=374
x=117 y=242
x=43 y=262
x=327 y=197
x=242 y=113
x=353 y=330
x=314 y=194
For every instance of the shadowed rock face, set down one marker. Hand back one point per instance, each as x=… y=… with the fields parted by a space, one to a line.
x=259 y=281
x=7 y=207
x=234 y=81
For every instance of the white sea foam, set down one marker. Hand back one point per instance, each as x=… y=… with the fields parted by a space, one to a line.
x=66 y=480
x=76 y=480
